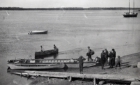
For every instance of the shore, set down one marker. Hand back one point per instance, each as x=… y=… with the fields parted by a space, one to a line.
x=129 y=63
x=69 y=8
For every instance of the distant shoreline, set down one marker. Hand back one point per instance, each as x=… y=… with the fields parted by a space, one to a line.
x=69 y=8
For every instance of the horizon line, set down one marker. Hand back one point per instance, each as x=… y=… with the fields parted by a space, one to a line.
x=65 y=7
x=69 y=8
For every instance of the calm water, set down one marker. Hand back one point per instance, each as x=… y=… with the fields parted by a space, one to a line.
x=70 y=31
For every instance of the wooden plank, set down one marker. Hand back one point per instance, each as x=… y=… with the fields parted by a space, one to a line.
x=77 y=75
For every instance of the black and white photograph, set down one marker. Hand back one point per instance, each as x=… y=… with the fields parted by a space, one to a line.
x=69 y=42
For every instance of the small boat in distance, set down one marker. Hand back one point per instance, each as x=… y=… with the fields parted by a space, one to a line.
x=130 y=14
x=38 y=32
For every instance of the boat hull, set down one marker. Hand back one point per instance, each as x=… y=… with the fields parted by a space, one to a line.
x=35 y=66
x=38 y=32
x=76 y=65
x=130 y=15
x=46 y=63
x=47 y=53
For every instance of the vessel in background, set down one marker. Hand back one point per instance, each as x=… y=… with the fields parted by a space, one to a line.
x=38 y=32
x=130 y=14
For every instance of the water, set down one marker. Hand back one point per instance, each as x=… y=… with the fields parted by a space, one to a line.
x=71 y=31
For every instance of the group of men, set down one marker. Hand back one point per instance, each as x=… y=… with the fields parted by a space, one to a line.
x=106 y=58
x=109 y=58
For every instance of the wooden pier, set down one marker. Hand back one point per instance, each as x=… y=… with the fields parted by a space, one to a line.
x=71 y=76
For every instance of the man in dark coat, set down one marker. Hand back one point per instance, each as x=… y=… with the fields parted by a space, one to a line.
x=81 y=61
x=114 y=56
x=106 y=56
x=110 y=59
x=102 y=59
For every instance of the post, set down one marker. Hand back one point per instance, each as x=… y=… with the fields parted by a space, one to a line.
x=94 y=81
x=21 y=74
x=129 y=6
x=48 y=78
x=69 y=78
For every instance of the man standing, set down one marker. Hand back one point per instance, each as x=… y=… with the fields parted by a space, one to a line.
x=114 y=56
x=55 y=48
x=81 y=59
x=106 y=56
x=41 y=48
x=102 y=59
x=90 y=53
x=118 y=62
x=111 y=59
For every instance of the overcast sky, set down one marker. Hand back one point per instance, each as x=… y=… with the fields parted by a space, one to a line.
x=67 y=3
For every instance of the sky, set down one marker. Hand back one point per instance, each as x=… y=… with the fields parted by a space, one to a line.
x=67 y=3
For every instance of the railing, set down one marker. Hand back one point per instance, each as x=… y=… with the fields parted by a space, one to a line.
x=43 y=61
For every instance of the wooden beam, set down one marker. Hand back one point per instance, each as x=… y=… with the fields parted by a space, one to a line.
x=94 y=80
x=77 y=75
x=110 y=77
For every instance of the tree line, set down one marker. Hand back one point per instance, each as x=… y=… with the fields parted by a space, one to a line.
x=68 y=8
